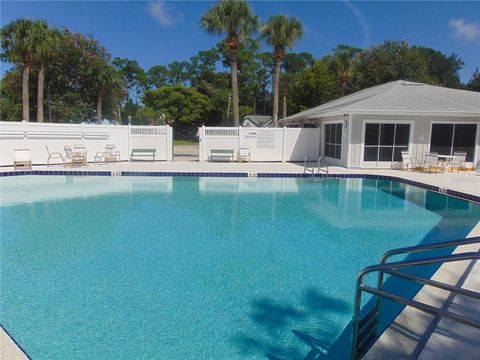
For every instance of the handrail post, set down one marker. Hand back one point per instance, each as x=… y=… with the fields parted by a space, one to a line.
x=305 y=161
x=356 y=318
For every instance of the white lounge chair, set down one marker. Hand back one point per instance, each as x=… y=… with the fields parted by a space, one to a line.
x=112 y=152
x=53 y=156
x=243 y=154
x=108 y=156
x=80 y=149
x=74 y=158
x=458 y=161
x=408 y=162
x=21 y=157
x=433 y=163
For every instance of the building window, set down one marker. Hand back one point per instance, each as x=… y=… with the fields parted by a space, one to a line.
x=384 y=142
x=333 y=141
x=448 y=138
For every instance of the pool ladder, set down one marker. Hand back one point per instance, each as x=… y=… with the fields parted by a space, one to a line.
x=309 y=166
x=365 y=329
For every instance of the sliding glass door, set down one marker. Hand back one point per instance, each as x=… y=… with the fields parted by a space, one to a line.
x=384 y=142
x=333 y=141
x=448 y=138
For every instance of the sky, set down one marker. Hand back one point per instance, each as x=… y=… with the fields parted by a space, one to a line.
x=160 y=32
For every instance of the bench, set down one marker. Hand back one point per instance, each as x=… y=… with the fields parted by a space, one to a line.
x=143 y=154
x=221 y=155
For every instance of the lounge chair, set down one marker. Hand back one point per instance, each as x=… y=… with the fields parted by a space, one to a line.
x=73 y=158
x=54 y=155
x=81 y=149
x=407 y=162
x=433 y=163
x=108 y=156
x=21 y=157
x=112 y=152
x=244 y=154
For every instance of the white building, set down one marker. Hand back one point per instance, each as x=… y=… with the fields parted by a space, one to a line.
x=369 y=128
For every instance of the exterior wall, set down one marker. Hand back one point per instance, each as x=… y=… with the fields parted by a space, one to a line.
x=420 y=132
x=265 y=144
x=35 y=136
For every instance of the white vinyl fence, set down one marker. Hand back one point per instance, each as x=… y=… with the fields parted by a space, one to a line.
x=35 y=136
x=265 y=144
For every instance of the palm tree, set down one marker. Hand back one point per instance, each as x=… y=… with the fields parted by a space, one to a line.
x=280 y=31
x=20 y=41
x=108 y=82
x=236 y=19
x=46 y=51
x=343 y=59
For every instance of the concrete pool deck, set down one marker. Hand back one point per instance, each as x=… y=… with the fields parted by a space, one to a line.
x=465 y=182
x=447 y=336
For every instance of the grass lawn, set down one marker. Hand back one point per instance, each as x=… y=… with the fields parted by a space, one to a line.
x=185 y=142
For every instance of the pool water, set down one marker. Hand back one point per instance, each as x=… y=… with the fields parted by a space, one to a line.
x=200 y=268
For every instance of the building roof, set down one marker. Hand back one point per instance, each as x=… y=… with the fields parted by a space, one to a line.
x=398 y=97
x=259 y=120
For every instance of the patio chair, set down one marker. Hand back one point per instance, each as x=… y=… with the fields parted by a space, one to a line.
x=80 y=148
x=458 y=161
x=244 y=154
x=407 y=161
x=53 y=156
x=112 y=151
x=108 y=156
x=21 y=157
x=73 y=158
x=433 y=163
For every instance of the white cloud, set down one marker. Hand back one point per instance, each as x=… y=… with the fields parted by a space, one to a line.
x=464 y=31
x=164 y=16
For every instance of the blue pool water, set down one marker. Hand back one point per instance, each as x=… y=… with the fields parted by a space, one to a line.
x=200 y=268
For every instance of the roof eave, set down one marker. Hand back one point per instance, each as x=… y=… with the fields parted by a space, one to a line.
x=380 y=112
x=416 y=113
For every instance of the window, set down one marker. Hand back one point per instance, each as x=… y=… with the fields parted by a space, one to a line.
x=333 y=141
x=384 y=142
x=448 y=138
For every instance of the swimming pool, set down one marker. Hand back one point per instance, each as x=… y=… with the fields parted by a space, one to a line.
x=200 y=268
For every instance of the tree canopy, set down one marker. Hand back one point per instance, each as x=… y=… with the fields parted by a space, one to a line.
x=82 y=81
x=178 y=103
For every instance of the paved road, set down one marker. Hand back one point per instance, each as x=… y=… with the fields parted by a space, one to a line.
x=185 y=153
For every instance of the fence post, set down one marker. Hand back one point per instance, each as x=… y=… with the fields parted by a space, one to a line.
x=283 y=144
x=82 y=130
x=201 y=145
x=25 y=136
x=129 y=141
x=169 y=141
x=239 y=136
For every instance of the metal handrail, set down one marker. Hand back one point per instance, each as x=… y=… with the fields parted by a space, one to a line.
x=321 y=159
x=305 y=161
x=390 y=268
x=416 y=249
x=420 y=248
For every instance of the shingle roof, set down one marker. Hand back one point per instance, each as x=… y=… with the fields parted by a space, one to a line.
x=259 y=120
x=401 y=96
